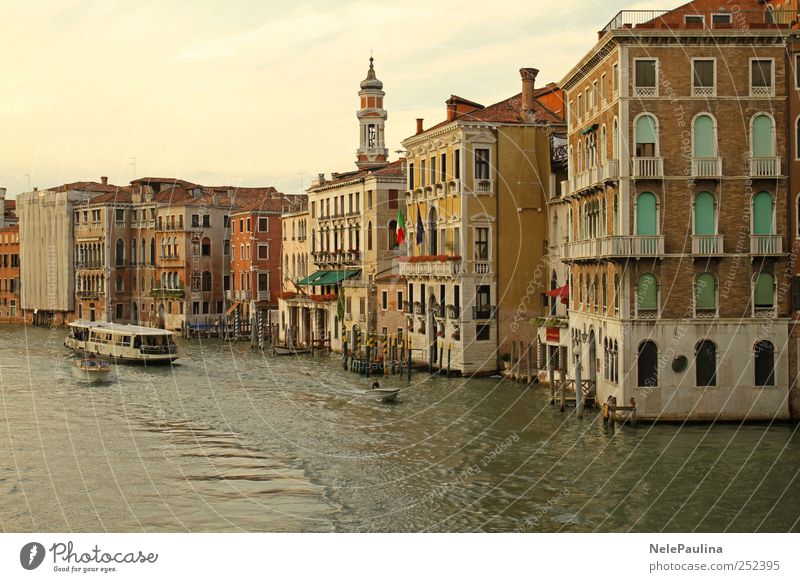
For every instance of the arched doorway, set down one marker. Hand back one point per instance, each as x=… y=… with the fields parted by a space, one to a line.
x=592 y=357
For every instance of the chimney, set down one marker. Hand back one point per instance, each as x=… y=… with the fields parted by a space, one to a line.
x=419 y=125
x=320 y=179
x=452 y=109
x=528 y=81
x=104 y=180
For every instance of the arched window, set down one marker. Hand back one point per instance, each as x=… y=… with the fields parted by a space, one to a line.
x=764 y=353
x=391 y=234
x=596 y=293
x=762 y=140
x=163 y=280
x=705 y=295
x=616 y=293
x=570 y=164
x=206 y=285
x=646 y=137
x=369 y=236
x=647 y=294
x=152 y=251
x=120 y=252
x=704 y=142
x=134 y=246
x=762 y=213
x=763 y=294
x=580 y=156
x=603 y=144
x=143 y=258
x=605 y=295
x=615 y=140
x=647 y=364
x=206 y=247
x=580 y=288
x=705 y=363
x=646 y=214
x=704 y=214
x=603 y=219
x=163 y=247
x=119 y=283
x=616 y=213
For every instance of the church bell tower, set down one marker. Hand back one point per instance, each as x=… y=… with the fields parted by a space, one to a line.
x=372 y=152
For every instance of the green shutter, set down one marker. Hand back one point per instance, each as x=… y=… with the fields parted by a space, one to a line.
x=762 y=137
x=704 y=213
x=764 y=288
x=647 y=292
x=762 y=213
x=704 y=291
x=703 y=137
x=646 y=214
x=645 y=129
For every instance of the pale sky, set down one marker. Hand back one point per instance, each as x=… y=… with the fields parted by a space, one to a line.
x=254 y=93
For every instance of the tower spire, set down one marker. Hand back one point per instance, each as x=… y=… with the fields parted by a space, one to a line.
x=372 y=117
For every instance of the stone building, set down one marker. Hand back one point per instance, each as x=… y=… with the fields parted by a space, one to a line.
x=678 y=222
x=477 y=195
x=351 y=237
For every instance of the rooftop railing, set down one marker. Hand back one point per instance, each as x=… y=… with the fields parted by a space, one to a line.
x=701 y=19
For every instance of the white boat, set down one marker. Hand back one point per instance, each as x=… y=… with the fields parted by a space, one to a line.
x=289 y=351
x=385 y=394
x=125 y=343
x=91 y=369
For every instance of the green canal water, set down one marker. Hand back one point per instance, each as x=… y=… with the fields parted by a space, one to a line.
x=229 y=439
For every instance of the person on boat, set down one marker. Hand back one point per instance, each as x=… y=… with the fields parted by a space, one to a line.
x=376 y=385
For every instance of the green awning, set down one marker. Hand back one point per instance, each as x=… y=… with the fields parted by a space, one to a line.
x=590 y=129
x=328 y=277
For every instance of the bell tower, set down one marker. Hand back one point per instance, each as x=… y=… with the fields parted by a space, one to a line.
x=372 y=152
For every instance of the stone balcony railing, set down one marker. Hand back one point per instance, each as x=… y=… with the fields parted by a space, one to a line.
x=706 y=245
x=433 y=266
x=611 y=247
x=644 y=168
x=706 y=167
x=765 y=167
x=766 y=244
x=592 y=178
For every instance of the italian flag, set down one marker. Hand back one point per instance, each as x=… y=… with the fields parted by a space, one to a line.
x=401 y=227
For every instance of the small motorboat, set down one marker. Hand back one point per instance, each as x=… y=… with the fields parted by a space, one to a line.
x=91 y=369
x=289 y=351
x=388 y=395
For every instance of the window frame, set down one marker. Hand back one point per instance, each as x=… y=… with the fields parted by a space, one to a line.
x=771 y=60
x=713 y=87
x=655 y=88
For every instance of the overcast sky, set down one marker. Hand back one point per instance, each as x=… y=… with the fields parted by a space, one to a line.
x=254 y=93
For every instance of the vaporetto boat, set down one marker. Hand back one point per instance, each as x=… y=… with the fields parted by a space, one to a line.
x=125 y=343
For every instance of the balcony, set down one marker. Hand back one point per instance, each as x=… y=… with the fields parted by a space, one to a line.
x=648 y=168
x=765 y=312
x=642 y=313
x=453 y=312
x=610 y=170
x=89 y=265
x=765 y=167
x=613 y=247
x=706 y=167
x=408 y=307
x=484 y=186
x=88 y=294
x=484 y=311
x=707 y=245
x=243 y=295
x=431 y=268
x=592 y=178
x=419 y=308
x=482 y=267
x=263 y=295
x=229 y=295
x=454 y=187
x=158 y=293
x=766 y=244
x=438 y=311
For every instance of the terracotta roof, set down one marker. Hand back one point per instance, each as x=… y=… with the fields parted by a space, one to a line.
x=86 y=187
x=394 y=168
x=507 y=111
x=175 y=181
x=10 y=205
x=123 y=196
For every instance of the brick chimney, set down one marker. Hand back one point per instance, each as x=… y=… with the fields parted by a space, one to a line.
x=419 y=125
x=104 y=180
x=528 y=84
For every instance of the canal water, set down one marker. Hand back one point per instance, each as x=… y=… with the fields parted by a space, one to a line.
x=229 y=439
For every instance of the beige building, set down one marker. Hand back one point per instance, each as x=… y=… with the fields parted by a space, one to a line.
x=477 y=192
x=350 y=236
